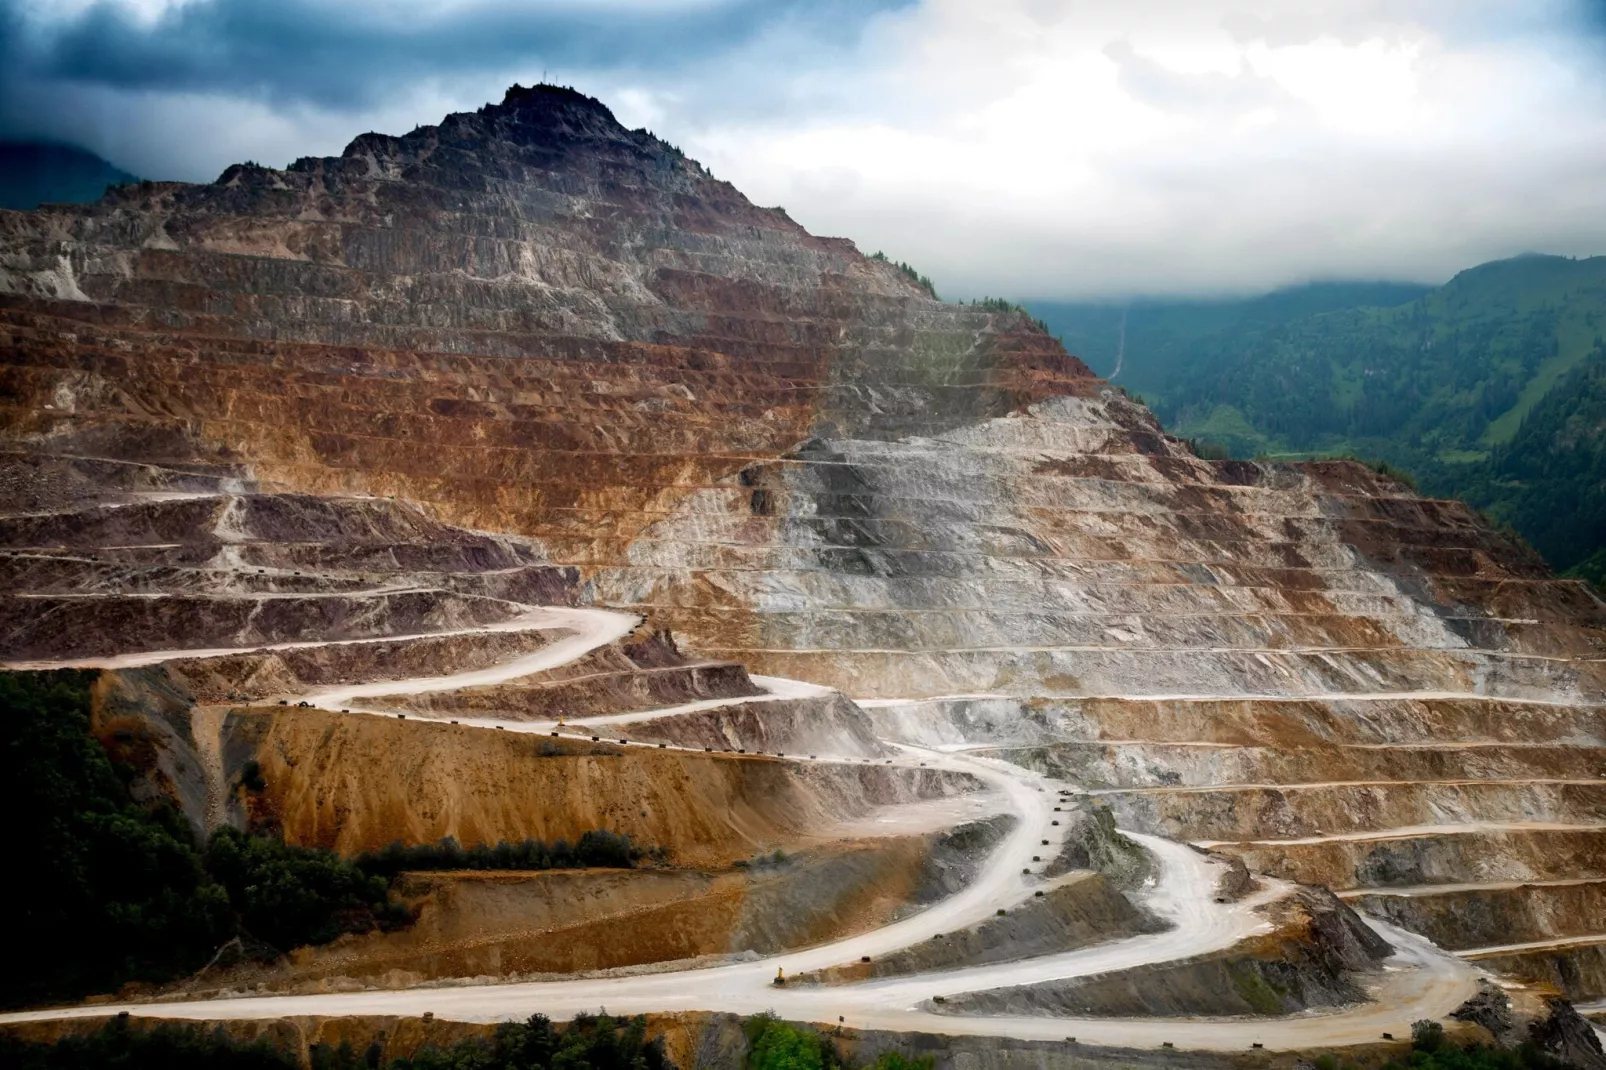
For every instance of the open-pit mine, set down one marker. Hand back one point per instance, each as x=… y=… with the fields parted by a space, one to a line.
x=516 y=478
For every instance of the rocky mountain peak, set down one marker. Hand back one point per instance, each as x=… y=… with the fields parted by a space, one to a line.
x=552 y=128
x=556 y=109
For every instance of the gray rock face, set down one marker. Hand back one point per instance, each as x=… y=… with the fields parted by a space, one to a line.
x=1310 y=961
x=1565 y=1034
x=1086 y=909
x=1490 y=1008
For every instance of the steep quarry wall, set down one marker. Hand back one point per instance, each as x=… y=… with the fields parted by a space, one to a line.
x=528 y=316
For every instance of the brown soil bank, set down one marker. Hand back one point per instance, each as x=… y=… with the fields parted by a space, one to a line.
x=281 y=672
x=1481 y=917
x=1452 y=856
x=826 y=724
x=614 y=682
x=352 y=782
x=1083 y=909
x=56 y=626
x=504 y=924
x=1306 y=962
x=1290 y=722
x=1578 y=971
x=1158 y=765
x=1267 y=812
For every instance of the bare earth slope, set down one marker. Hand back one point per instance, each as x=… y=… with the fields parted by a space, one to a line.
x=385 y=432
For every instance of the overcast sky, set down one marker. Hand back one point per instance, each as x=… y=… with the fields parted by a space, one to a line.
x=1025 y=148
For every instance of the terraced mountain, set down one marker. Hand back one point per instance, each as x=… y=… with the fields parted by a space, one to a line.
x=515 y=478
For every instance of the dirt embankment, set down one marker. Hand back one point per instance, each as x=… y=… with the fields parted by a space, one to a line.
x=1243 y=813
x=142 y=716
x=1495 y=854
x=1307 y=962
x=57 y=626
x=824 y=724
x=1083 y=909
x=1480 y=917
x=524 y=924
x=704 y=1040
x=282 y=672
x=618 y=678
x=482 y=786
x=1285 y=722
x=1129 y=765
x=1577 y=972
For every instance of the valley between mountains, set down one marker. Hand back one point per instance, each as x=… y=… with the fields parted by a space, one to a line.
x=516 y=480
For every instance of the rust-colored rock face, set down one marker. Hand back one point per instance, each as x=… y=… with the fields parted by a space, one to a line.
x=369 y=410
x=529 y=317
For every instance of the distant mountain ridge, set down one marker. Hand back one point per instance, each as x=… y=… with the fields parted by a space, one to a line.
x=1486 y=388
x=42 y=172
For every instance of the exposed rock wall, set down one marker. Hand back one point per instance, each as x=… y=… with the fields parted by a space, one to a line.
x=528 y=316
x=449 y=780
x=1574 y=972
x=1473 y=916
x=1079 y=910
x=825 y=724
x=519 y=924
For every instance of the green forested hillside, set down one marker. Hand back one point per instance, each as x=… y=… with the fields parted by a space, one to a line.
x=1550 y=480
x=1489 y=387
x=1149 y=338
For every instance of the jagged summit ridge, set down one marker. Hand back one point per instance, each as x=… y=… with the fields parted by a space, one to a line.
x=542 y=124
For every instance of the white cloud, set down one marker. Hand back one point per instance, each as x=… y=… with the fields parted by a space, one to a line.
x=1035 y=149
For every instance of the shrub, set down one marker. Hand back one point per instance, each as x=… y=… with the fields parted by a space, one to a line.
x=291 y=896
x=119 y=892
x=597 y=848
x=598 y=1041
x=115 y=892
x=1427 y=1036
x=119 y=1046
x=251 y=776
x=914 y=276
x=776 y=1045
x=1206 y=450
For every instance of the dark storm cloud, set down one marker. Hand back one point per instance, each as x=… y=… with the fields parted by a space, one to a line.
x=349 y=55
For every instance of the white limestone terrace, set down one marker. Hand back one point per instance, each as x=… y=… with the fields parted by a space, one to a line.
x=1363 y=688
x=1044 y=554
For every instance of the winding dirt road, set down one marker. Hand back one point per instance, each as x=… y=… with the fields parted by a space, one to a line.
x=1420 y=981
